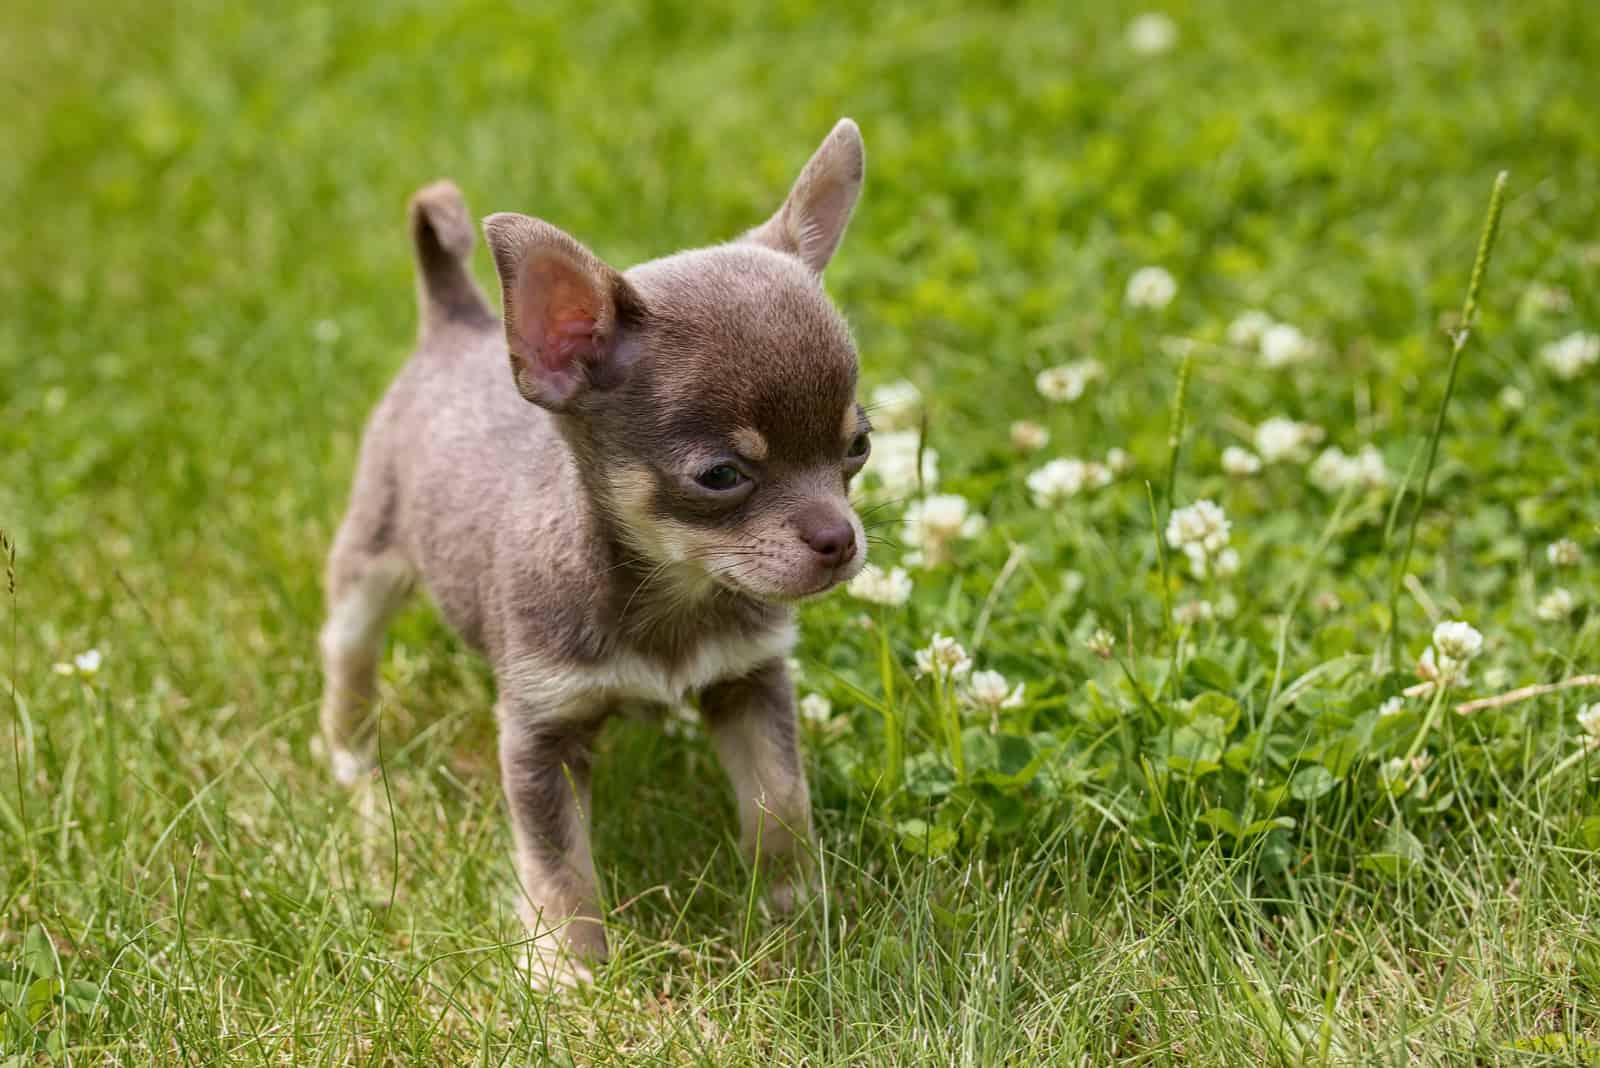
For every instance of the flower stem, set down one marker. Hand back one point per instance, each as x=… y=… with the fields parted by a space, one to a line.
x=1458 y=342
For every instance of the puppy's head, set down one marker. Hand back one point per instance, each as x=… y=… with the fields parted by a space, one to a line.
x=709 y=396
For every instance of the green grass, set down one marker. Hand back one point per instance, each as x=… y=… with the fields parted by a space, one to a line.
x=207 y=285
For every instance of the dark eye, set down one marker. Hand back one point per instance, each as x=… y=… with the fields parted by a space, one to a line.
x=858 y=447
x=720 y=478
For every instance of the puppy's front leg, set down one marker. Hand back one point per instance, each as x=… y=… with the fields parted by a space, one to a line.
x=544 y=765
x=752 y=725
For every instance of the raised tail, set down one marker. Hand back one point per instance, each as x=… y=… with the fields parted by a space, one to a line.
x=442 y=232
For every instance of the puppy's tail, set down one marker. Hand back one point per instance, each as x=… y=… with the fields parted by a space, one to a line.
x=441 y=229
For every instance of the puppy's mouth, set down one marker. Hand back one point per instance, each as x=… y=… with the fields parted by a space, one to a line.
x=778 y=592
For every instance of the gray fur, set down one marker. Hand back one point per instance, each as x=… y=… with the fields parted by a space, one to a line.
x=542 y=480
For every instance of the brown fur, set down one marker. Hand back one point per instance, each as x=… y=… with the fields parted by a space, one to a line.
x=560 y=517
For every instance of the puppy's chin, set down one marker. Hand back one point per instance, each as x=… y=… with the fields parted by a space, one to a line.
x=775 y=590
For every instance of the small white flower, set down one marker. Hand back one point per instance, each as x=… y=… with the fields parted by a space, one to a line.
x=1227 y=605
x=1072 y=583
x=1191 y=612
x=1283 y=344
x=1118 y=462
x=1152 y=33
x=1285 y=439
x=875 y=586
x=932 y=523
x=990 y=690
x=1555 y=606
x=1393 y=706
x=1246 y=330
x=1440 y=669
x=1056 y=481
x=1068 y=381
x=1028 y=436
x=1201 y=523
x=682 y=721
x=945 y=656
x=1226 y=565
x=1333 y=471
x=326 y=331
x=816 y=709
x=1564 y=553
x=84 y=665
x=1240 y=463
x=1511 y=399
x=1399 y=776
x=1457 y=639
x=896 y=406
x=1327 y=603
x=1101 y=643
x=1572 y=355
x=894 y=462
x=1589 y=719
x=1151 y=287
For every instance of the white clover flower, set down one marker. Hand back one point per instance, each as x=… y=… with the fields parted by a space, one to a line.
x=932 y=523
x=1226 y=565
x=1392 y=707
x=1118 y=462
x=1246 y=330
x=1400 y=776
x=1441 y=670
x=875 y=586
x=1101 y=643
x=1151 y=287
x=1028 y=436
x=1285 y=439
x=1191 y=612
x=1283 y=344
x=1555 y=606
x=1152 y=33
x=1227 y=605
x=1511 y=399
x=1240 y=463
x=1589 y=719
x=1056 y=481
x=945 y=656
x=1564 y=553
x=1068 y=381
x=894 y=462
x=1457 y=639
x=84 y=665
x=1333 y=471
x=1572 y=355
x=326 y=331
x=816 y=709
x=990 y=690
x=896 y=406
x=1201 y=523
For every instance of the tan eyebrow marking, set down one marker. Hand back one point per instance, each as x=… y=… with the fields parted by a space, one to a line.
x=750 y=443
x=852 y=422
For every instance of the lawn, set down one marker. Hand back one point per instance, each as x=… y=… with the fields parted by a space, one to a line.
x=1234 y=815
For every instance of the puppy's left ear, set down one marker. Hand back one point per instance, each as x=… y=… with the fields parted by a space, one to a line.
x=812 y=220
x=567 y=313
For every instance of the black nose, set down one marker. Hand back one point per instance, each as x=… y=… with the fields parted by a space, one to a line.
x=833 y=540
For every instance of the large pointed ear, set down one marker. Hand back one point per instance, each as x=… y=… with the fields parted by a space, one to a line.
x=567 y=313
x=812 y=220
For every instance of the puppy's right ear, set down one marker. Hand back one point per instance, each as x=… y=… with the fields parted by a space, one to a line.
x=567 y=313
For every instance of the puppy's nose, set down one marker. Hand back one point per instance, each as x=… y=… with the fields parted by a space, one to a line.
x=832 y=539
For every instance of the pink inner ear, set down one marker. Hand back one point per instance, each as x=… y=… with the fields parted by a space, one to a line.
x=560 y=313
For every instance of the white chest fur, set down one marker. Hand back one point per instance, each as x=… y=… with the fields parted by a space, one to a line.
x=542 y=685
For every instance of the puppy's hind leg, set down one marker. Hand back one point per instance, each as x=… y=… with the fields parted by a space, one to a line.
x=367 y=583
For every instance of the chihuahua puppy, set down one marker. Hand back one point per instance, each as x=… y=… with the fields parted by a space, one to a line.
x=628 y=515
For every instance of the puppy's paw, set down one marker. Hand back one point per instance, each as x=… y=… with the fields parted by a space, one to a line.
x=790 y=891
x=350 y=767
